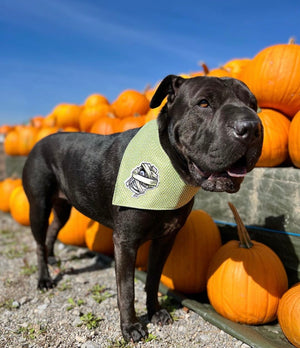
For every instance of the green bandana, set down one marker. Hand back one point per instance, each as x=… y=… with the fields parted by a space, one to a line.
x=147 y=178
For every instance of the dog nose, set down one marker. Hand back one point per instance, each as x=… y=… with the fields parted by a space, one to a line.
x=247 y=130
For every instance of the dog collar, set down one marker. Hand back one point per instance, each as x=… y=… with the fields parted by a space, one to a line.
x=147 y=178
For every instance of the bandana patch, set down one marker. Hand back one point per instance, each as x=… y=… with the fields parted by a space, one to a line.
x=143 y=178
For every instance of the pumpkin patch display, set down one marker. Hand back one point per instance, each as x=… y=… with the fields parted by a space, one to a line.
x=289 y=314
x=273 y=76
x=276 y=137
x=186 y=271
x=294 y=140
x=6 y=188
x=246 y=279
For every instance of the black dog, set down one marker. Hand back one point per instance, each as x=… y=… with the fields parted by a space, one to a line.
x=212 y=135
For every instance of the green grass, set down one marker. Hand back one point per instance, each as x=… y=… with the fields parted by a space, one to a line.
x=90 y=320
x=100 y=293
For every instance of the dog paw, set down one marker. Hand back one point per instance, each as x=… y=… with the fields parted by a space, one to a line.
x=162 y=317
x=45 y=284
x=134 y=332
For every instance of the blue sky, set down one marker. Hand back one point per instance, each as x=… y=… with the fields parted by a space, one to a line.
x=54 y=51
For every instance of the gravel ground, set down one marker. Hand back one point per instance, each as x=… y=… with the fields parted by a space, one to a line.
x=82 y=310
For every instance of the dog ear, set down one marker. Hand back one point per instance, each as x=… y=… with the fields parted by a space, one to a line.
x=167 y=87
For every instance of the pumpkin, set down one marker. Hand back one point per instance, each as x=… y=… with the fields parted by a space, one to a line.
x=49 y=120
x=236 y=66
x=132 y=122
x=246 y=279
x=26 y=139
x=5 y=128
x=276 y=134
x=45 y=131
x=130 y=103
x=186 y=271
x=11 y=141
x=106 y=125
x=98 y=238
x=6 y=188
x=289 y=314
x=273 y=76
x=95 y=99
x=294 y=140
x=19 y=206
x=73 y=232
x=142 y=256
x=37 y=121
x=67 y=115
x=219 y=72
x=70 y=129
x=90 y=115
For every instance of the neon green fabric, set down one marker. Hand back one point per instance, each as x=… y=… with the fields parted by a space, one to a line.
x=146 y=178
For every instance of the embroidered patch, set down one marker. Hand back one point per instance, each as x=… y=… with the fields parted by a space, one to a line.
x=144 y=177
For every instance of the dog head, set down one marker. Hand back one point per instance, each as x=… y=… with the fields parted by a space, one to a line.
x=210 y=130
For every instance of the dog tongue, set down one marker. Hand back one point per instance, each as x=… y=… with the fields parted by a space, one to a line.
x=238 y=172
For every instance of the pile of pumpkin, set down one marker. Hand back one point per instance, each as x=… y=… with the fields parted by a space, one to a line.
x=272 y=75
x=241 y=285
x=238 y=276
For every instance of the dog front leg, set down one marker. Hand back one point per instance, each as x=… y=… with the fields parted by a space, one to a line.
x=125 y=255
x=159 y=252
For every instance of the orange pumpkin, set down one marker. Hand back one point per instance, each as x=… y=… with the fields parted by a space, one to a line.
x=132 y=122
x=294 y=140
x=130 y=103
x=246 y=279
x=45 y=131
x=236 y=66
x=106 y=125
x=99 y=238
x=142 y=256
x=73 y=232
x=187 y=272
x=95 y=99
x=67 y=115
x=26 y=139
x=6 y=188
x=5 y=128
x=219 y=72
x=49 y=121
x=273 y=76
x=19 y=206
x=289 y=314
x=276 y=134
x=37 y=121
x=90 y=115
x=11 y=142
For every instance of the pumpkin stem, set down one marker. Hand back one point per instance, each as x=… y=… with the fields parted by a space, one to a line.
x=244 y=238
x=292 y=41
x=204 y=67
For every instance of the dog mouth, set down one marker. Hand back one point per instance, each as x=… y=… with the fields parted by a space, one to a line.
x=227 y=180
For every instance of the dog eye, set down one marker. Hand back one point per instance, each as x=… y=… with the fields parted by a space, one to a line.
x=203 y=103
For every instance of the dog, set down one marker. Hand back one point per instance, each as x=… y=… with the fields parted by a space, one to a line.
x=212 y=136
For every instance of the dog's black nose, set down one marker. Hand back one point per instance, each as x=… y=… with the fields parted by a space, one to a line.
x=247 y=130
